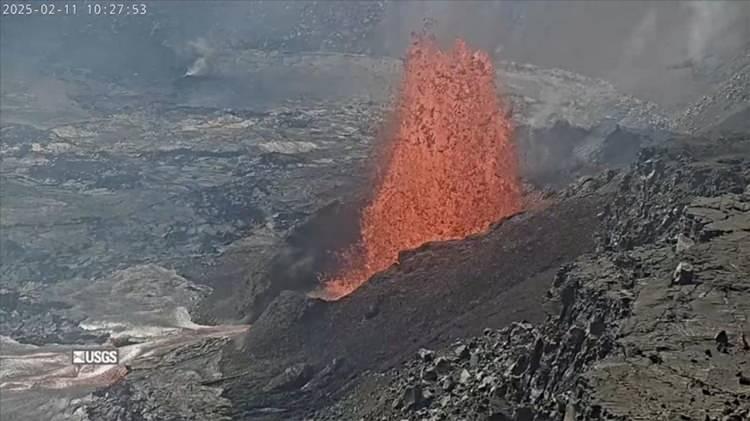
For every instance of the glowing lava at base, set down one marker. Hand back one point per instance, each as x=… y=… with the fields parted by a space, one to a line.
x=450 y=169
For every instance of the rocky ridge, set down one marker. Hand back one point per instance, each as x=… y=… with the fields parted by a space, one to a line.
x=657 y=317
x=725 y=105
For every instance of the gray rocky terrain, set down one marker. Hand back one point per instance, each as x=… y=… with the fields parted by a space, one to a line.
x=724 y=107
x=653 y=325
x=649 y=308
x=171 y=178
x=179 y=203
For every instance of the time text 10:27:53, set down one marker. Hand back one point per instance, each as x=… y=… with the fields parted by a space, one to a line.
x=74 y=8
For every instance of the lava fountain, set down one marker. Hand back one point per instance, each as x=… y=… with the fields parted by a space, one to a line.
x=449 y=169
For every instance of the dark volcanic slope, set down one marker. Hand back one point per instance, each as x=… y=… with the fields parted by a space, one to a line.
x=647 y=316
x=437 y=293
x=652 y=326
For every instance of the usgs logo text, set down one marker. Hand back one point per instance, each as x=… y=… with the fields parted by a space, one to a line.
x=96 y=356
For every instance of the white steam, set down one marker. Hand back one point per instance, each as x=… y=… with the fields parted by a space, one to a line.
x=202 y=52
x=709 y=22
x=643 y=34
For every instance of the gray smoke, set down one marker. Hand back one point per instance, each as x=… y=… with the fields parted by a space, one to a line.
x=649 y=49
x=203 y=53
x=709 y=26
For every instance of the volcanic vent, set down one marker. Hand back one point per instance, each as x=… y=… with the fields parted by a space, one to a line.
x=449 y=170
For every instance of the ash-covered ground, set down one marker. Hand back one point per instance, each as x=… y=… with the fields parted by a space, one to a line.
x=185 y=219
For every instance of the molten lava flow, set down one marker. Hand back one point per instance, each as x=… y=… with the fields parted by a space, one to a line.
x=450 y=169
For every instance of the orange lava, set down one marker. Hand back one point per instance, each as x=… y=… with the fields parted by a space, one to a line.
x=450 y=169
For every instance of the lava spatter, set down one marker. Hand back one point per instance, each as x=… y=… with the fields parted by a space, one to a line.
x=450 y=168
